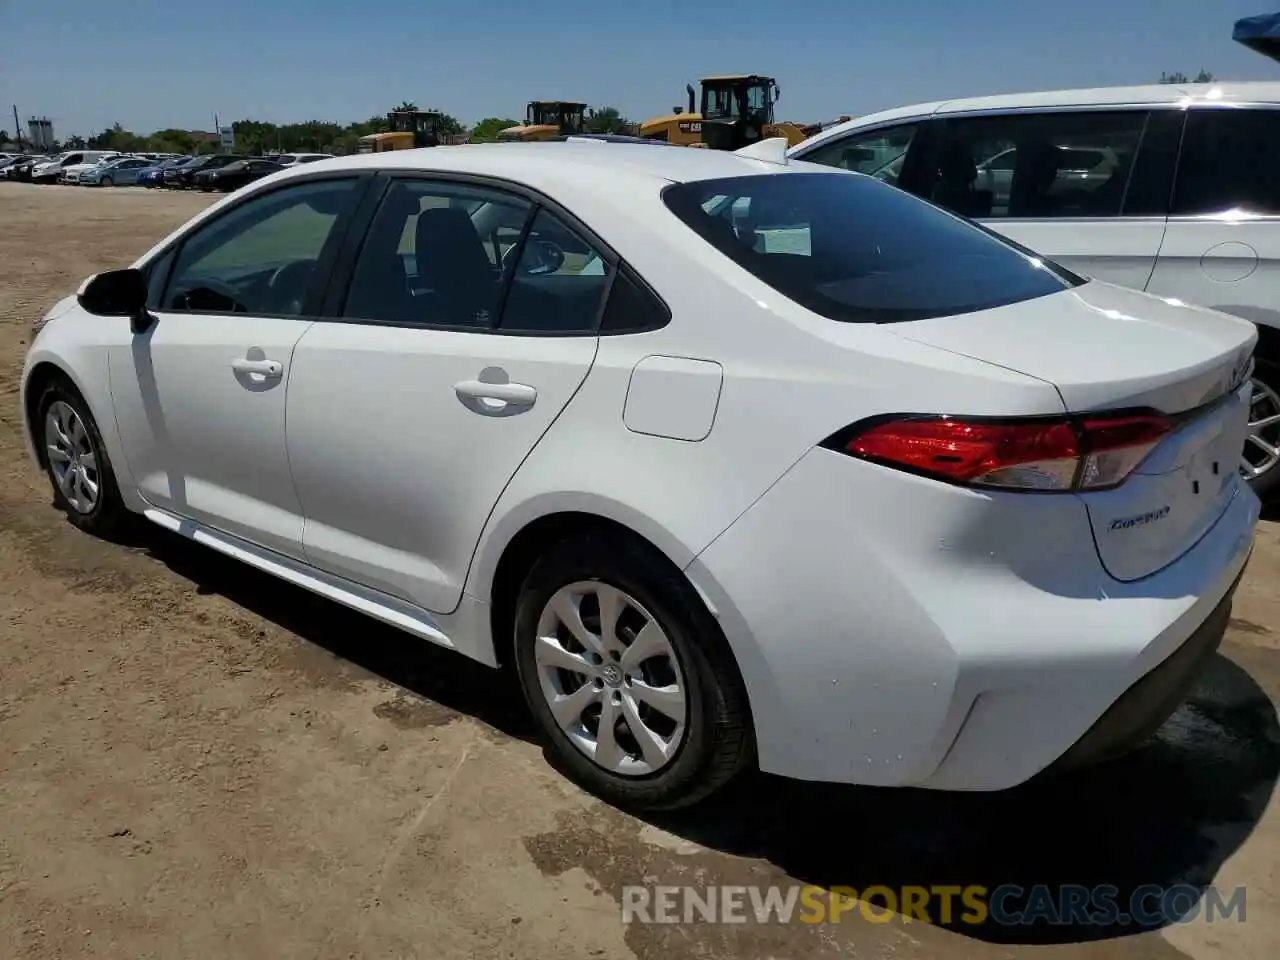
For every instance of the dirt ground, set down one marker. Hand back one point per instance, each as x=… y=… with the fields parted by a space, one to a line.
x=197 y=761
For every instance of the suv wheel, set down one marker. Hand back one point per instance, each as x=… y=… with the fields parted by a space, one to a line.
x=1260 y=462
x=628 y=675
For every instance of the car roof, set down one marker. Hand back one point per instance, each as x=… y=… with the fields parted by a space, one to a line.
x=557 y=165
x=1155 y=94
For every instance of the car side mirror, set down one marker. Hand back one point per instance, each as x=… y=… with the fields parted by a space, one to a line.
x=118 y=293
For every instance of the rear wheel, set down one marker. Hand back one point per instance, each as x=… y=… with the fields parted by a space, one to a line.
x=1260 y=462
x=628 y=675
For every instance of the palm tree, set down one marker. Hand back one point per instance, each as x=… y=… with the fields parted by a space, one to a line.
x=407 y=106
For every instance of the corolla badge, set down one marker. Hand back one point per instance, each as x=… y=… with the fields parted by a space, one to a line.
x=1140 y=520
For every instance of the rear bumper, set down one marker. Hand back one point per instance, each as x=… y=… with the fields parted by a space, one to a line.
x=1146 y=705
x=893 y=631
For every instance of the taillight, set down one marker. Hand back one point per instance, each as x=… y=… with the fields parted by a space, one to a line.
x=1085 y=453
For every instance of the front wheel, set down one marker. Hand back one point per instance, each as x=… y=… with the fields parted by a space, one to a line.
x=1260 y=462
x=628 y=675
x=107 y=182
x=84 y=485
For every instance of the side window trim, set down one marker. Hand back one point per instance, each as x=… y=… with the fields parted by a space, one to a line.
x=324 y=263
x=508 y=276
x=343 y=267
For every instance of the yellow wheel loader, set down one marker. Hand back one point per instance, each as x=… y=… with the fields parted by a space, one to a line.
x=549 y=120
x=736 y=109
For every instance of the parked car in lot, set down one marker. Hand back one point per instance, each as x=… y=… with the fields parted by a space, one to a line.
x=20 y=170
x=153 y=175
x=290 y=159
x=51 y=171
x=71 y=174
x=724 y=480
x=183 y=177
x=234 y=175
x=121 y=172
x=1169 y=189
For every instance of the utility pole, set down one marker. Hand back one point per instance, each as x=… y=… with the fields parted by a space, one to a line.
x=17 y=126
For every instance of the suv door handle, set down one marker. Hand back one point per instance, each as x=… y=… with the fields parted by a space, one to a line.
x=513 y=394
x=267 y=368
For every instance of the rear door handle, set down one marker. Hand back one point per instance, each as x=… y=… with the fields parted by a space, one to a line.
x=507 y=394
x=267 y=368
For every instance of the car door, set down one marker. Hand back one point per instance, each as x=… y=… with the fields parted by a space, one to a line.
x=449 y=347
x=1222 y=245
x=1018 y=174
x=200 y=396
x=128 y=171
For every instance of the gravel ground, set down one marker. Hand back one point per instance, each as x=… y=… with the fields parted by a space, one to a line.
x=198 y=761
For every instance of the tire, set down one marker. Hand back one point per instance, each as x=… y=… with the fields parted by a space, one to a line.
x=716 y=740
x=106 y=516
x=1266 y=379
x=106 y=182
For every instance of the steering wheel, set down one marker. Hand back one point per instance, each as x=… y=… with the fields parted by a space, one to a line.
x=539 y=257
x=287 y=288
x=210 y=295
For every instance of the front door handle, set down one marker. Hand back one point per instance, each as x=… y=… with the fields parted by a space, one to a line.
x=267 y=368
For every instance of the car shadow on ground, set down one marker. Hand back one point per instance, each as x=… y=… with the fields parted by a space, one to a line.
x=1166 y=816
x=418 y=666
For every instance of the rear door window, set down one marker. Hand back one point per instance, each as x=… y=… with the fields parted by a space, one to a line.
x=1229 y=161
x=1035 y=165
x=858 y=251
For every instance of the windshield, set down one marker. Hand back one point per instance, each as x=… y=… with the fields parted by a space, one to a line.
x=855 y=250
x=720 y=102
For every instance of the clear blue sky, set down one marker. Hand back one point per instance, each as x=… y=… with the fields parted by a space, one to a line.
x=149 y=64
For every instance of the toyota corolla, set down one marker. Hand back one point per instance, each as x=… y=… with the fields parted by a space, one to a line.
x=735 y=461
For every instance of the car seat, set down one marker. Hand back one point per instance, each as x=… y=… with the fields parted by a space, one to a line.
x=453 y=266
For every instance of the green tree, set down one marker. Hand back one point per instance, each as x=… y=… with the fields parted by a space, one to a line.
x=490 y=127
x=608 y=120
x=407 y=106
x=1204 y=76
x=4 y=138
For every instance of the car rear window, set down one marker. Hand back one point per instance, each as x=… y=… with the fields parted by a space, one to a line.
x=859 y=251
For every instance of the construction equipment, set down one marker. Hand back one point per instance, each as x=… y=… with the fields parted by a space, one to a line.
x=549 y=120
x=737 y=109
x=409 y=129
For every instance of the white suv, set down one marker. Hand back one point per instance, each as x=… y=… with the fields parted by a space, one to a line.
x=1183 y=202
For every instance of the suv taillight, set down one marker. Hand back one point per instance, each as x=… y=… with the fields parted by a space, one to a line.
x=1081 y=453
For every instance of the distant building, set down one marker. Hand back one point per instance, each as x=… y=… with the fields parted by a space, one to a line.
x=40 y=133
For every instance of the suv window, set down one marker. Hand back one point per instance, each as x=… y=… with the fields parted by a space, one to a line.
x=880 y=153
x=858 y=251
x=260 y=257
x=1035 y=165
x=436 y=254
x=1228 y=162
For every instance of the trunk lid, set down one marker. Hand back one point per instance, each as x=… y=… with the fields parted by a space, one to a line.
x=1107 y=348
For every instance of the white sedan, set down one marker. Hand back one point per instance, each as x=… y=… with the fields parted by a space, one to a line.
x=735 y=461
